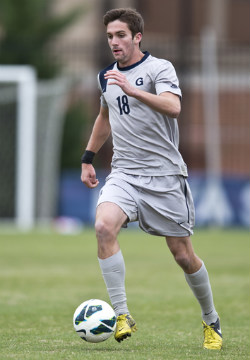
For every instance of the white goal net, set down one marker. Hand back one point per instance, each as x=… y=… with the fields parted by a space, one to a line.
x=31 y=116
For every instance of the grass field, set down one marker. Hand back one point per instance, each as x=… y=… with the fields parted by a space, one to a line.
x=45 y=276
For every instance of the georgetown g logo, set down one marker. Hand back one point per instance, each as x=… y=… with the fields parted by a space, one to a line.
x=139 y=81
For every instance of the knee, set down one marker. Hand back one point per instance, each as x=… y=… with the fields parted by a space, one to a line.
x=106 y=239
x=190 y=263
x=183 y=253
x=183 y=260
x=103 y=229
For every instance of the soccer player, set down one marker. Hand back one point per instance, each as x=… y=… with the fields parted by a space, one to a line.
x=140 y=103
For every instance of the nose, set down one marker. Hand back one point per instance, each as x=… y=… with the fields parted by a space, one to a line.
x=114 y=41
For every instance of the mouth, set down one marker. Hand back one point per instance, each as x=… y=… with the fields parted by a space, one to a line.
x=116 y=51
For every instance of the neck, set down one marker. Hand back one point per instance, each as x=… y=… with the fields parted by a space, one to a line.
x=133 y=60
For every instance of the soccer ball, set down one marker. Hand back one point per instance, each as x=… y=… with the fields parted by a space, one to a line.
x=94 y=320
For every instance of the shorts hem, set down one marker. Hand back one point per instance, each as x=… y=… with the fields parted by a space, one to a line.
x=174 y=234
x=116 y=203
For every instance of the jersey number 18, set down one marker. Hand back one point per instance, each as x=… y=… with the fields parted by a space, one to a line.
x=123 y=104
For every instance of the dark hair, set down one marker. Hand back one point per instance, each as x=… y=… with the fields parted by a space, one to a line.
x=129 y=16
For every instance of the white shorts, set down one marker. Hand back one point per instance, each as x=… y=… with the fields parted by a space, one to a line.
x=163 y=205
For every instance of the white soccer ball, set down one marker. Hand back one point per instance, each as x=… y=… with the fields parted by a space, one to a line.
x=94 y=320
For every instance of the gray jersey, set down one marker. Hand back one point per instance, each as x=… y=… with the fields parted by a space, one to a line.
x=145 y=142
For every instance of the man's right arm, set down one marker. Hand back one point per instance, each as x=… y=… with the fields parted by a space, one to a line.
x=100 y=133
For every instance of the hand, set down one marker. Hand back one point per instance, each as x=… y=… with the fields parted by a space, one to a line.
x=120 y=80
x=88 y=176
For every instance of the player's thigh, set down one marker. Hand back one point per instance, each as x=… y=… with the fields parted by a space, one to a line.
x=109 y=218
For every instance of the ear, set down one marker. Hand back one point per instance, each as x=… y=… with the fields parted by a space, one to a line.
x=137 y=38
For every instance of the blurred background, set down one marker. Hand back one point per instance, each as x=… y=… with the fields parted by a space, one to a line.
x=50 y=54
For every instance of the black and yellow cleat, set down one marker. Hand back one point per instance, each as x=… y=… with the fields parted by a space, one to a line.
x=212 y=335
x=125 y=325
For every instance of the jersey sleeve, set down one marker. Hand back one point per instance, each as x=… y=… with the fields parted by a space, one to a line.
x=102 y=98
x=166 y=79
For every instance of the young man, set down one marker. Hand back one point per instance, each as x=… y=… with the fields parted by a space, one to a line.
x=140 y=101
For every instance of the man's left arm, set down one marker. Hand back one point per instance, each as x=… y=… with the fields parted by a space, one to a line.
x=166 y=103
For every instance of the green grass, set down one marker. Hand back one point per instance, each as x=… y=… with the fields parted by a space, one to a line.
x=45 y=276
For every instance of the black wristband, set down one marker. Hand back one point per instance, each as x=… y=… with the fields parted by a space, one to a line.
x=88 y=157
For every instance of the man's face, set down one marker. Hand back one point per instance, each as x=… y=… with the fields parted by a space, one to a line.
x=121 y=43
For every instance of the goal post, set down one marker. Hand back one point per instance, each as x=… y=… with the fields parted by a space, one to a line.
x=25 y=79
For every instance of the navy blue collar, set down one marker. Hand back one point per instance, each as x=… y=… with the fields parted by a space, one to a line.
x=146 y=55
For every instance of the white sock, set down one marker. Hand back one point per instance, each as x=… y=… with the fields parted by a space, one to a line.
x=200 y=285
x=113 y=272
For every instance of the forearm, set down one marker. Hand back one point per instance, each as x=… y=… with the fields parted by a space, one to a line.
x=165 y=103
x=99 y=135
